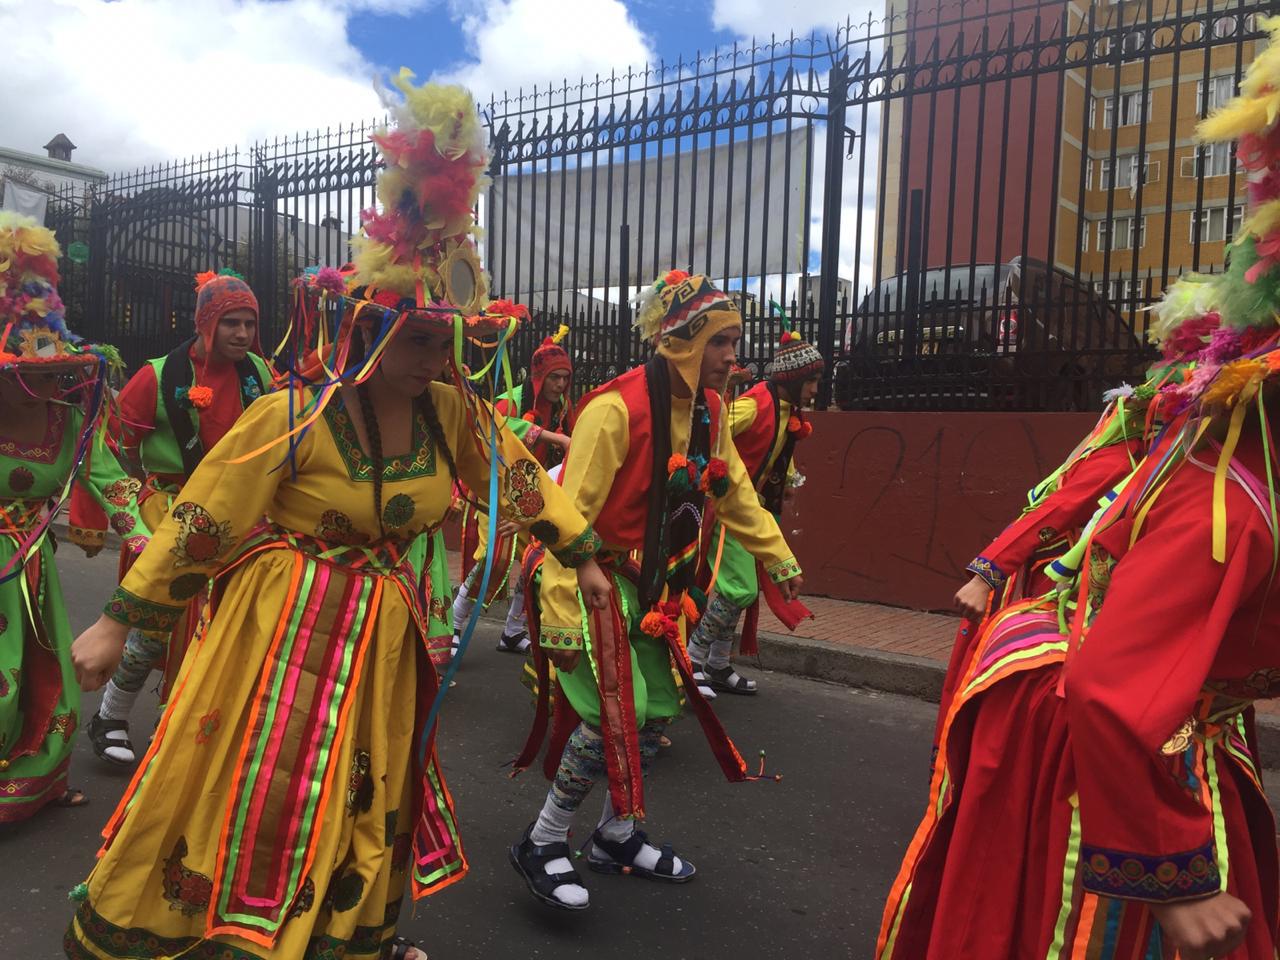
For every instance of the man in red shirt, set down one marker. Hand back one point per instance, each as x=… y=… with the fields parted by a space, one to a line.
x=173 y=411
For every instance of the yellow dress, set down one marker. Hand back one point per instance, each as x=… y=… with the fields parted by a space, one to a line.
x=283 y=804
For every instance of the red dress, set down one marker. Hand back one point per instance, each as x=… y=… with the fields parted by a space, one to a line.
x=1033 y=539
x=1054 y=822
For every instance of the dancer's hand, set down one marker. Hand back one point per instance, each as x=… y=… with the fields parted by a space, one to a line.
x=1206 y=928
x=971 y=599
x=594 y=585
x=508 y=528
x=559 y=439
x=566 y=660
x=96 y=652
x=790 y=589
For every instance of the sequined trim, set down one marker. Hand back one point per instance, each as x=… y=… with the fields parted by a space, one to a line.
x=133 y=611
x=420 y=462
x=1134 y=876
x=988 y=571
x=580 y=549
x=561 y=638
x=783 y=570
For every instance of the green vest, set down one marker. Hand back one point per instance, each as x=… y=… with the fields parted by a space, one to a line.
x=159 y=449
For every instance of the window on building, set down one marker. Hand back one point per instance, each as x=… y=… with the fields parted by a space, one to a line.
x=1134 y=42
x=1211 y=160
x=1134 y=108
x=1126 y=233
x=1128 y=167
x=1084 y=238
x=1214 y=94
x=1124 y=291
x=1088 y=174
x=1211 y=225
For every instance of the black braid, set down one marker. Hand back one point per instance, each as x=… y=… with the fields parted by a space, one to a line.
x=427 y=408
x=375 y=447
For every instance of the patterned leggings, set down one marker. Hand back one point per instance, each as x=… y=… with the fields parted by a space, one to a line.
x=712 y=640
x=142 y=654
x=583 y=763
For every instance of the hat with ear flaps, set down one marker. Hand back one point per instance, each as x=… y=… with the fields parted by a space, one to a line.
x=795 y=360
x=679 y=314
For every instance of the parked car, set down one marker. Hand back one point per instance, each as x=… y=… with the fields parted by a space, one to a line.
x=1019 y=336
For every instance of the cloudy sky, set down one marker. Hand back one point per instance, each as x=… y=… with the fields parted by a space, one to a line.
x=139 y=81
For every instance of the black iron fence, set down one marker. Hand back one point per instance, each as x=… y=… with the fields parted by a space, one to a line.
x=965 y=206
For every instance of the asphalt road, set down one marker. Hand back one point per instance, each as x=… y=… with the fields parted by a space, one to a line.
x=795 y=869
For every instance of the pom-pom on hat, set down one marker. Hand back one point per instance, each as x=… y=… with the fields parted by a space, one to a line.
x=795 y=360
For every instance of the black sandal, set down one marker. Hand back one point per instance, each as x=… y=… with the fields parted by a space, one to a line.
x=530 y=860
x=514 y=643
x=99 y=727
x=622 y=857
x=728 y=680
x=399 y=949
x=71 y=797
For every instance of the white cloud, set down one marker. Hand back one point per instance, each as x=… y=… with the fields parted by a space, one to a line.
x=137 y=81
x=520 y=43
x=764 y=18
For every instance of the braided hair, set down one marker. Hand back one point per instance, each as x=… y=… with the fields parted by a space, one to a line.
x=435 y=429
x=375 y=448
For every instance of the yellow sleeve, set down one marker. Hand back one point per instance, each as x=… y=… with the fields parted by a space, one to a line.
x=742 y=415
x=752 y=525
x=600 y=444
x=525 y=493
x=217 y=508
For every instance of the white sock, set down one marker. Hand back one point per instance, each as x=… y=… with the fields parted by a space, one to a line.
x=117 y=703
x=462 y=607
x=552 y=826
x=618 y=831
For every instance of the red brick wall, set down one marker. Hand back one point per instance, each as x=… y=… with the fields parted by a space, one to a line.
x=895 y=505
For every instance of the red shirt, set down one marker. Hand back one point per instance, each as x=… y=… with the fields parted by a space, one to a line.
x=138 y=402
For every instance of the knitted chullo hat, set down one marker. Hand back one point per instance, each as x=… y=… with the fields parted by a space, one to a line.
x=549 y=358
x=217 y=294
x=795 y=360
x=679 y=313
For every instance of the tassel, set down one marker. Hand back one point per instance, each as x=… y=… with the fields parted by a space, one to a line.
x=79 y=893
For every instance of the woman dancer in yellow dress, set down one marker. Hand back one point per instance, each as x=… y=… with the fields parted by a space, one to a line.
x=292 y=789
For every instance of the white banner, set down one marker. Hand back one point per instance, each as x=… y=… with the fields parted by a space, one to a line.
x=29 y=201
x=559 y=230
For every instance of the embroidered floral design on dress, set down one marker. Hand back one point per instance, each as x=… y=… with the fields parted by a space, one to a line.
x=336 y=527
x=120 y=492
x=399 y=510
x=1047 y=534
x=21 y=479
x=209 y=725
x=439 y=609
x=4 y=623
x=359 y=784
x=63 y=724
x=522 y=490
x=4 y=686
x=306 y=899
x=1135 y=876
x=185 y=889
x=123 y=522
x=561 y=638
x=1181 y=738
x=201 y=538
